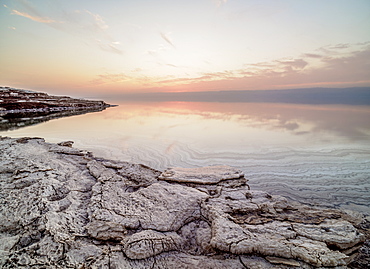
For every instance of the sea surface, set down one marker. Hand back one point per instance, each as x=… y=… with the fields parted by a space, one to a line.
x=316 y=154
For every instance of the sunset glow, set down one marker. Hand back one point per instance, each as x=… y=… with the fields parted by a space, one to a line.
x=87 y=48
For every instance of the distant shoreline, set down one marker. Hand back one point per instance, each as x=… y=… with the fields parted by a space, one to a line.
x=317 y=96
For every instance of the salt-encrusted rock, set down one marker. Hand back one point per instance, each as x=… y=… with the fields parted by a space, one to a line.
x=149 y=243
x=340 y=234
x=175 y=260
x=63 y=208
x=278 y=260
x=82 y=254
x=202 y=175
x=272 y=239
x=160 y=206
x=197 y=237
x=106 y=230
x=134 y=175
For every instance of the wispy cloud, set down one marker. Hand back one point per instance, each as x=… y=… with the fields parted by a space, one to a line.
x=83 y=24
x=167 y=38
x=98 y=20
x=110 y=78
x=91 y=27
x=282 y=68
x=134 y=76
x=172 y=65
x=312 y=55
x=294 y=64
x=203 y=77
x=341 y=46
x=335 y=67
x=156 y=52
x=34 y=18
x=108 y=46
x=306 y=70
x=219 y=3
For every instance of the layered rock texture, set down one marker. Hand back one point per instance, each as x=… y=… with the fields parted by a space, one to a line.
x=19 y=108
x=63 y=208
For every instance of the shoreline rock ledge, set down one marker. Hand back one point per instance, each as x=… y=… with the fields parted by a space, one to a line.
x=64 y=208
x=21 y=108
x=13 y=101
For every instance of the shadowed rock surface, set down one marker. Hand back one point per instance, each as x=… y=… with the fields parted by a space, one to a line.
x=63 y=208
x=20 y=108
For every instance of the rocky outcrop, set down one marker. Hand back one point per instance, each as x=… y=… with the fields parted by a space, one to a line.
x=20 y=108
x=202 y=175
x=20 y=101
x=64 y=208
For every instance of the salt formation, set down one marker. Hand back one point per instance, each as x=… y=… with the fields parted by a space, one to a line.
x=63 y=208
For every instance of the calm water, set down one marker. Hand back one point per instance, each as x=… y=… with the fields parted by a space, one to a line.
x=311 y=153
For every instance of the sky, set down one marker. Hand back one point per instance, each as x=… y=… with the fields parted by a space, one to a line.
x=91 y=47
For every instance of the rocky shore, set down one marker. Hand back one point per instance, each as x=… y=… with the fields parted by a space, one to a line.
x=20 y=108
x=23 y=101
x=64 y=208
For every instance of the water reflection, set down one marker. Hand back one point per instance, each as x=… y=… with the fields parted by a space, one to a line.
x=311 y=153
x=352 y=122
x=12 y=121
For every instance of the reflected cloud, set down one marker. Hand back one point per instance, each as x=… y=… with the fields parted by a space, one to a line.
x=344 y=121
x=170 y=148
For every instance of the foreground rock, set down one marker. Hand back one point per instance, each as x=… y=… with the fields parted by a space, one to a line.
x=19 y=108
x=64 y=208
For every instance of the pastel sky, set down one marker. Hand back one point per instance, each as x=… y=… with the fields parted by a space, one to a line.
x=115 y=46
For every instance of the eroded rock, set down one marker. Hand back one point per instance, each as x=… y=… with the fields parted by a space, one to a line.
x=106 y=230
x=160 y=206
x=149 y=243
x=272 y=239
x=63 y=208
x=201 y=175
x=340 y=234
